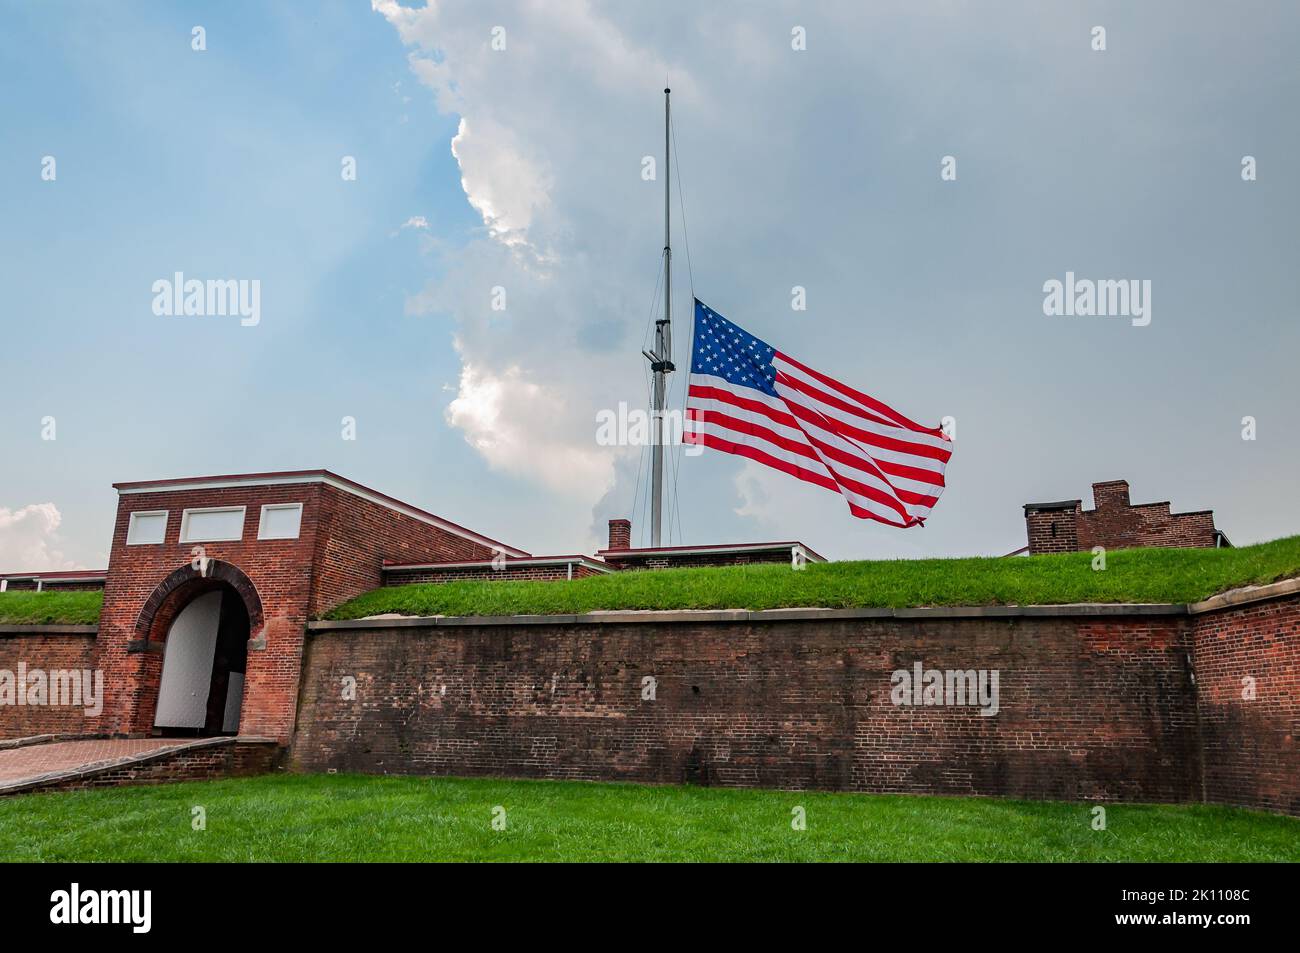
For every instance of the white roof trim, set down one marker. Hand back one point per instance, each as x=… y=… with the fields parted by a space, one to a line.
x=617 y=554
x=329 y=480
x=485 y=563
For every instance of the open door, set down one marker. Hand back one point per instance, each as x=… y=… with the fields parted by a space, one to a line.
x=202 y=684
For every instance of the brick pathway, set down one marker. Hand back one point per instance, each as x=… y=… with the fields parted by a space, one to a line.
x=17 y=764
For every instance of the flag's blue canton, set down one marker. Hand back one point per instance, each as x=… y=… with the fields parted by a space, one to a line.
x=732 y=353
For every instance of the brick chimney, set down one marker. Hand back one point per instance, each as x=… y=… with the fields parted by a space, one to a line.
x=1053 y=527
x=620 y=534
x=1110 y=493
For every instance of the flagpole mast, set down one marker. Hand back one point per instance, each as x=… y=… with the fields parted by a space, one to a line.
x=661 y=363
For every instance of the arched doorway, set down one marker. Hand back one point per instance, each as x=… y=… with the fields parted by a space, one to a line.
x=205 y=656
x=232 y=625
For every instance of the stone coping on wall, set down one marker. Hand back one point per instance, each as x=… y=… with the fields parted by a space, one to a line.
x=48 y=629
x=615 y=617
x=1245 y=596
x=1226 y=600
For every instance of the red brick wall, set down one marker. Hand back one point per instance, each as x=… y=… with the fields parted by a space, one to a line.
x=1148 y=524
x=358 y=537
x=1115 y=524
x=1090 y=708
x=1052 y=530
x=41 y=649
x=1251 y=753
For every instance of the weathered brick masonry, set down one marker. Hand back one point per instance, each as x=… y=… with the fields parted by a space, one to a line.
x=1099 y=707
x=1096 y=703
x=1248 y=690
x=1114 y=523
x=49 y=648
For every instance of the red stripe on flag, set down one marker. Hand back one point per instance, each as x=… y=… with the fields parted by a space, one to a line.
x=849 y=460
x=804 y=412
x=751 y=429
x=744 y=450
x=746 y=403
x=869 y=402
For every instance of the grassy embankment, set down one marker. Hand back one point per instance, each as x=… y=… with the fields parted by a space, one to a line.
x=1132 y=575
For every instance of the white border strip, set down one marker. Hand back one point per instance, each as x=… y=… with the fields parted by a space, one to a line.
x=485 y=563
x=624 y=554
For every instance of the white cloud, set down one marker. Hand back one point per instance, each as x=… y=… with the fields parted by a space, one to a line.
x=552 y=183
x=501 y=184
x=416 y=221
x=520 y=427
x=29 y=539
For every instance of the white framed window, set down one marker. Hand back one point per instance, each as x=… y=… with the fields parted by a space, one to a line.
x=146 y=527
x=280 y=521
x=212 y=524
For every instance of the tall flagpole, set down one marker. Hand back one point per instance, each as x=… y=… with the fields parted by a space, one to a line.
x=661 y=361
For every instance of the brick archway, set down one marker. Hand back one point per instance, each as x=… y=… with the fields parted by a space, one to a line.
x=182 y=585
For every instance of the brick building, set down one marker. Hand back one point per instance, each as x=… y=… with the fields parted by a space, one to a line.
x=1115 y=523
x=493 y=570
x=212 y=580
x=72 y=579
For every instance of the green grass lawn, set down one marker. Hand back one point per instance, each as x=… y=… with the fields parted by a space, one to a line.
x=46 y=608
x=356 y=817
x=1132 y=575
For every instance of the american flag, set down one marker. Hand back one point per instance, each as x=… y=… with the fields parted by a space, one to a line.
x=748 y=398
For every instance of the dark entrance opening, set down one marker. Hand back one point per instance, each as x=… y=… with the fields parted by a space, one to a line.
x=205 y=658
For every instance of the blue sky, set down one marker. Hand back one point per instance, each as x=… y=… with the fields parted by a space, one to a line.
x=817 y=168
x=221 y=163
